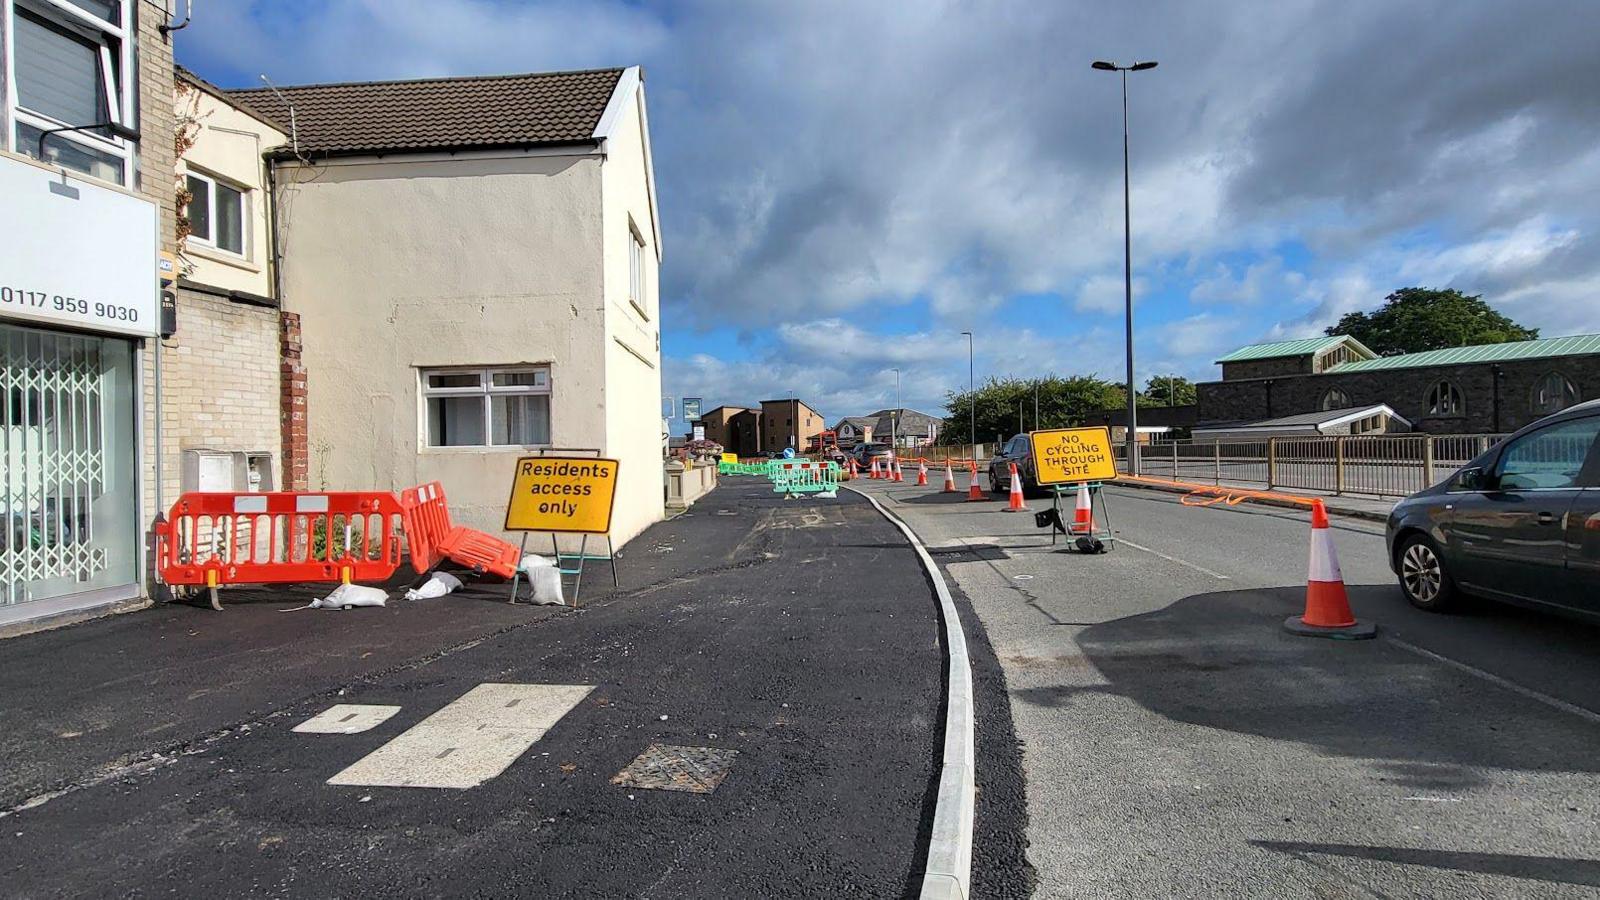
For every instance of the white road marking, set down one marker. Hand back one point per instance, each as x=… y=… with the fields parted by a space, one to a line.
x=347 y=718
x=1511 y=686
x=473 y=739
x=1181 y=562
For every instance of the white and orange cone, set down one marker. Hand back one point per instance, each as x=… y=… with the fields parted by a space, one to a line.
x=1016 y=504
x=949 y=479
x=922 y=473
x=872 y=474
x=898 y=475
x=1083 y=513
x=973 y=491
x=1327 y=605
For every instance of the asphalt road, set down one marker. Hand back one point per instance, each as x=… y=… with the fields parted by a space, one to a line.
x=160 y=757
x=1178 y=743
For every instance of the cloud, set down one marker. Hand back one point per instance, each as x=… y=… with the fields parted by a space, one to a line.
x=1109 y=294
x=829 y=161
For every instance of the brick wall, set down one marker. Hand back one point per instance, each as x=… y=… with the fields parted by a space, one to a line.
x=219 y=381
x=292 y=404
x=1488 y=409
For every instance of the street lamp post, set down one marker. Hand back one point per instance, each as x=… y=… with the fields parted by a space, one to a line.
x=1127 y=257
x=894 y=417
x=972 y=400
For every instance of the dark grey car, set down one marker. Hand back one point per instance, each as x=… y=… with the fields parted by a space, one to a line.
x=1520 y=523
x=1018 y=450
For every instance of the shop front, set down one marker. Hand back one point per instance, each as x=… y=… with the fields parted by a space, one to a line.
x=78 y=296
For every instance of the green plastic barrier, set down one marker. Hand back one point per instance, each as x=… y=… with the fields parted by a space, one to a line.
x=800 y=476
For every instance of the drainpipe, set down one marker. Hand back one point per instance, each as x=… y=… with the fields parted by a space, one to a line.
x=1269 y=398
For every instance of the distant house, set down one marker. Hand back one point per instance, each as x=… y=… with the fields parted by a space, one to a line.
x=734 y=427
x=787 y=423
x=1491 y=388
x=853 y=430
x=905 y=427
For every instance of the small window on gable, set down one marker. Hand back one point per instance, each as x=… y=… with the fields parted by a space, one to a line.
x=636 y=272
x=1444 y=399
x=1553 y=393
x=1336 y=399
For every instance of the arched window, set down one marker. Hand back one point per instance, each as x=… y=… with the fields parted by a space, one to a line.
x=1553 y=393
x=1336 y=399
x=1444 y=399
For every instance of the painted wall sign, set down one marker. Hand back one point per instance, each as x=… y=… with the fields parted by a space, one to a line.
x=82 y=256
x=1066 y=455
x=562 y=493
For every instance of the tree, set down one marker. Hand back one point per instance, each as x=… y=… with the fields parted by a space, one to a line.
x=1414 y=319
x=1168 y=390
x=1063 y=402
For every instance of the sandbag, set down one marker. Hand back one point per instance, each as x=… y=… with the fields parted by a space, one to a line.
x=349 y=596
x=438 y=585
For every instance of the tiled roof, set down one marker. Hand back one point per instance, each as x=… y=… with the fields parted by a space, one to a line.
x=438 y=114
x=1279 y=349
x=1571 y=345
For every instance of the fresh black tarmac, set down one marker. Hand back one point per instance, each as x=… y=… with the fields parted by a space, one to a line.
x=800 y=633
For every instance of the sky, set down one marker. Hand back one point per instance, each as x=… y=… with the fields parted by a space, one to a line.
x=845 y=187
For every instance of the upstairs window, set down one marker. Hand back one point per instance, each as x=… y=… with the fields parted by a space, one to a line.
x=216 y=213
x=1444 y=399
x=636 y=272
x=68 y=64
x=1553 y=393
x=1336 y=399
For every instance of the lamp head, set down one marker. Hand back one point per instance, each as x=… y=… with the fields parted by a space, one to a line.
x=1141 y=66
x=1103 y=66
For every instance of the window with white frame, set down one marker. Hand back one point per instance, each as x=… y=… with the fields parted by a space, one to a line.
x=70 y=65
x=636 y=272
x=217 y=212
x=506 y=407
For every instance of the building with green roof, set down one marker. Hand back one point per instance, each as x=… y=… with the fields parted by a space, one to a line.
x=1485 y=389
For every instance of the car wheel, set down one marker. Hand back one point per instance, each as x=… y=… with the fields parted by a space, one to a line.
x=994 y=483
x=1423 y=577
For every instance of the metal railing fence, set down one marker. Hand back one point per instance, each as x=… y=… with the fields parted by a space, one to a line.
x=1379 y=464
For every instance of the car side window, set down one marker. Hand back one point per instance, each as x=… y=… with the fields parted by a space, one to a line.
x=1551 y=457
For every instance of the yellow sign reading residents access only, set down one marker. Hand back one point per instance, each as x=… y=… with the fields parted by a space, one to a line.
x=1066 y=455
x=730 y=458
x=562 y=493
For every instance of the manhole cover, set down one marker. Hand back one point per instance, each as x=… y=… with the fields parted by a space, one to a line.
x=664 y=767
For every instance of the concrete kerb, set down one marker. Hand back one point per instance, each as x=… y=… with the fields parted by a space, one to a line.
x=1333 y=506
x=948 y=873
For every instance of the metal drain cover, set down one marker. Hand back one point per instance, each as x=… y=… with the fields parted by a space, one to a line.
x=664 y=767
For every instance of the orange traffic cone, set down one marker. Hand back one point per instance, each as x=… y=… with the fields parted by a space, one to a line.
x=1083 y=515
x=1016 y=504
x=949 y=479
x=873 y=473
x=1327 y=607
x=922 y=473
x=973 y=491
x=898 y=475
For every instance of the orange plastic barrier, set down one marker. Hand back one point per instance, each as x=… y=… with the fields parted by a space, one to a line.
x=1211 y=495
x=274 y=538
x=434 y=538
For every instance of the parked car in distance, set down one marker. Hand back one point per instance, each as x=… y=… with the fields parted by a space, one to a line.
x=1519 y=524
x=864 y=454
x=1018 y=450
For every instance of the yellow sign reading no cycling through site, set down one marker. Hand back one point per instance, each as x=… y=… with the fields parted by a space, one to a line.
x=1066 y=455
x=562 y=493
